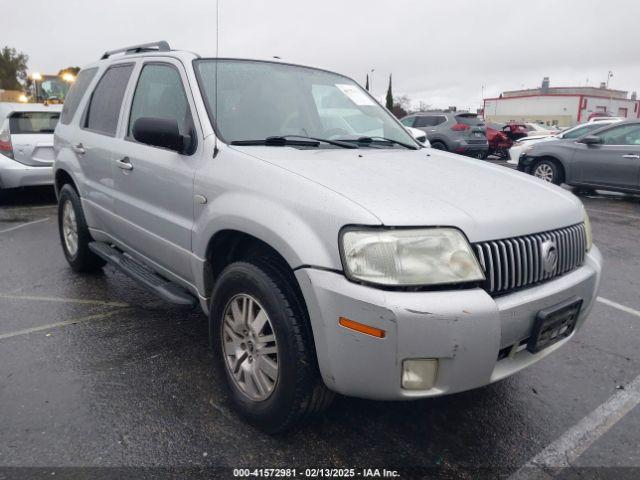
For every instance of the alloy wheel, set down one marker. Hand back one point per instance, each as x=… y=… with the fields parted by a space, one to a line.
x=70 y=228
x=544 y=172
x=249 y=347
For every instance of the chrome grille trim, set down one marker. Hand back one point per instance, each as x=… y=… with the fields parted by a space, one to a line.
x=513 y=263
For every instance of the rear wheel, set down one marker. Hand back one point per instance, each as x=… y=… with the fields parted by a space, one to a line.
x=74 y=233
x=439 y=146
x=548 y=170
x=260 y=333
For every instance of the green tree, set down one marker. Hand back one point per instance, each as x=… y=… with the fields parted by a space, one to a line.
x=13 y=69
x=72 y=70
x=389 y=104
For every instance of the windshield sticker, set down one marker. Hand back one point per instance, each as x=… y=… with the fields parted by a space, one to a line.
x=355 y=94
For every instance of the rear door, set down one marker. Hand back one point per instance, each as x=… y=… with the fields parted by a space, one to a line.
x=154 y=186
x=32 y=137
x=615 y=162
x=96 y=141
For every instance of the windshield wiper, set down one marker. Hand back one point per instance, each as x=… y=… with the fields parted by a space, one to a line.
x=369 y=140
x=284 y=140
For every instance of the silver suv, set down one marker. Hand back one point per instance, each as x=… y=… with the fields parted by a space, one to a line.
x=330 y=251
x=458 y=132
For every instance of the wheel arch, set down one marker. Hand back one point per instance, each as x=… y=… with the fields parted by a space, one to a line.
x=61 y=178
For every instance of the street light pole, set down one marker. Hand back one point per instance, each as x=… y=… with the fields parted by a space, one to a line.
x=36 y=77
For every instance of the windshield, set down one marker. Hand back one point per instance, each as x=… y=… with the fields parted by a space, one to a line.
x=251 y=100
x=581 y=130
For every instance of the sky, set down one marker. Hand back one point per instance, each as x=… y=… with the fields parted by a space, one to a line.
x=440 y=53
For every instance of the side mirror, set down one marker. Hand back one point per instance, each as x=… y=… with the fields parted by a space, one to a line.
x=160 y=132
x=591 y=140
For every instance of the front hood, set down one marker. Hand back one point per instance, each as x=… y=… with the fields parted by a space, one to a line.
x=432 y=188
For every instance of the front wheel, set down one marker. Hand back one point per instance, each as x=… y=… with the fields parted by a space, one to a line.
x=548 y=171
x=262 y=340
x=74 y=233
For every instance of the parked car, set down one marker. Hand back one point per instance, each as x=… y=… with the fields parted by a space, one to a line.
x=595 y=115
x=458 y=132
x=526 y=143
x=326 y=260
x=515 y=131
x=606 y=119
x=419 y=135
x=536 y=129
x=498 y=138
x=26 y=144
x=607 y=158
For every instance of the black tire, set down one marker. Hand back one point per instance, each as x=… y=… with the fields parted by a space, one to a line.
x=299 y=391
x=556 y=174
x=439 y=146
x=83 y=260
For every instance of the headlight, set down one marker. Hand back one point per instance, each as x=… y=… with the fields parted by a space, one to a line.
x=587 y=230
x=409 y=257
x=527 y=149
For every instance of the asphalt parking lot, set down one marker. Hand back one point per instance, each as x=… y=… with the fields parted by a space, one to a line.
x=96 y=372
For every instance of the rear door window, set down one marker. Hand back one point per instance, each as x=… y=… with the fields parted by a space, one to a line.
x=30 y=123
x=429 y=120
x=77 y=91
x=104 y=108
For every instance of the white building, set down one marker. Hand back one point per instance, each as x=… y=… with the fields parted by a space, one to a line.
x=563 y=106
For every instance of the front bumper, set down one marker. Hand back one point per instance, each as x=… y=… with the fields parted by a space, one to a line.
x=525 y=163
x=464 y=329
x=473 y=149
x=15 y=174
x=514 y=155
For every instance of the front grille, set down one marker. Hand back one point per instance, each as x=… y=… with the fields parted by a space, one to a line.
x=515 y=263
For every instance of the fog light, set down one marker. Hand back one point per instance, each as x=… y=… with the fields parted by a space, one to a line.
x=419 y=374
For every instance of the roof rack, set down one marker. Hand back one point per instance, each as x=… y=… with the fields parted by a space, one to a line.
x=161 y=46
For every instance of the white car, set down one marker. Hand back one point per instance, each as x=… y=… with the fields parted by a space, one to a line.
x=525 y=143
x=26 y=144
x=606 y=119
x=539 y=129
x=419 y=135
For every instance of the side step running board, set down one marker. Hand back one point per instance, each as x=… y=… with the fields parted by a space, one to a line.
x=142 y=274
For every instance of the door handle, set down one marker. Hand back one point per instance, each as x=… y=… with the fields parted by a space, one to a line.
x=631 y=155
x=124 y=164
x=79 y=149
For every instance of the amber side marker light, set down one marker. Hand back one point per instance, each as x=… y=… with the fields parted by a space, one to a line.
x=361 y=327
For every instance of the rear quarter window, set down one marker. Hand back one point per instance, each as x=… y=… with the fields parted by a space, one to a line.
x=26 y=123
x=77 y=91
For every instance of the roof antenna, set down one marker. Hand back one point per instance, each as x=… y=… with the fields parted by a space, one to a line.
x=215 y=120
